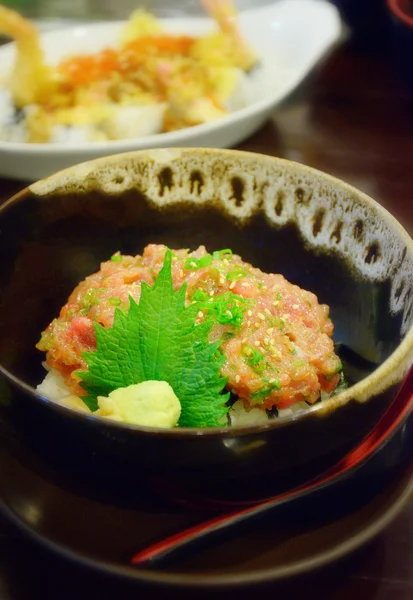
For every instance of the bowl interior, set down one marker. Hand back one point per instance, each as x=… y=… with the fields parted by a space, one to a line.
x=51 y=240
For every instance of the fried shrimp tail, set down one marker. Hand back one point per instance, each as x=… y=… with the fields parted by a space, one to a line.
x=226 y=17
x=31 y=79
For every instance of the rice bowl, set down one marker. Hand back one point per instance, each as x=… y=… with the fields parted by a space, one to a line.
x=276 y=215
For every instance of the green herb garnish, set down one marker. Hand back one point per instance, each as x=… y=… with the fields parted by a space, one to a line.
x=89 y=299
x=114 y=301
x=263 y=393
x=228 y=308
x=236 y=273
x=194 y=264
x=255 y=359
x=116 y=257
x=221 y=254
x=158 y=339
x=299 y=363
x=200 y=296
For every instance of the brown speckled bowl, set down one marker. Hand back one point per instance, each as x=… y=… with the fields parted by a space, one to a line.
x=283 y=217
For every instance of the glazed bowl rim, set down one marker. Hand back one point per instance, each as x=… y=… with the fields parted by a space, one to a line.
x=391 y=371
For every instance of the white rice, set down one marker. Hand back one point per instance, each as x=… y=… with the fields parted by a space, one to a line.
x=11 y=130
x=53 y=387
x=134 y=121
x=81 y=134
x=123 y=122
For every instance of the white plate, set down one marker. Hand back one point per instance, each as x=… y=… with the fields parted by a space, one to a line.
x=291 y=36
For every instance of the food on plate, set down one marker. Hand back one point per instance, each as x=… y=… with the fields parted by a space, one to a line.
x=230 y=343
x=153 y=81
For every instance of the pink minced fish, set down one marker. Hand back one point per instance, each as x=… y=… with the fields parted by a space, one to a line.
x=277 y=338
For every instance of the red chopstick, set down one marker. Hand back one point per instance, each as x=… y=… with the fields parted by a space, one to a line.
x=171 y=545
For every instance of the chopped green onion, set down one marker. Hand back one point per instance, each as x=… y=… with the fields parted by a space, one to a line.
x=193 y=263
x=221 y=254
x=235 y=274
x=205 y=261
x=88 y=299
x=228 y=309
x=298 y=363
x=200 y=296
x=255 y=357
x=115 y=301
x=262 y=394
x=335 y=372
x=116 y=257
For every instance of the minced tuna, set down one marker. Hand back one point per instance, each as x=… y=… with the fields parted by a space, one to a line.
x=276 y=336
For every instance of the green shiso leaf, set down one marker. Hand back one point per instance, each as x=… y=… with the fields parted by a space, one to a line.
x=158 y=339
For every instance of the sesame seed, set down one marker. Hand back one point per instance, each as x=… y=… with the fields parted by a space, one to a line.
x=276 y=303
x=286 y=316
x=271 y=380
x=264 y=288
x=266 y=340
x=181 y=273
x=237 y=378
x=261 y=316
x=249 y=313
x=295 y=306
x=232 y=285
x=247 y=351
x=270 y=330
x=244 y=340
x=267 y=311
x=245 y=284
x=211 y=293
x=256 y=325
x=226 y=261
x=229 y=313
x=200 y=314
x=256 y=343
x=248 y=323
x=221 y=281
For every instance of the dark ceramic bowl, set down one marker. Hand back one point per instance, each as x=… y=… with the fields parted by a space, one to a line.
x=283 y=217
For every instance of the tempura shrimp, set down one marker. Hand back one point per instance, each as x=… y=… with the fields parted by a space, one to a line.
x=226 y=16
x=31 y=79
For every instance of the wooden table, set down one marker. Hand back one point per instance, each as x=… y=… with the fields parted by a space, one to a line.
x=353 y=118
